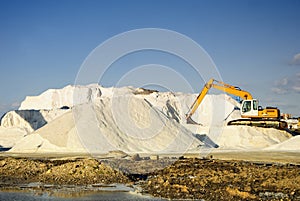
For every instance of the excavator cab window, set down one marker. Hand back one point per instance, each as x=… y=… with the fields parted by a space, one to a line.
x=255 y=105
x=246 y=106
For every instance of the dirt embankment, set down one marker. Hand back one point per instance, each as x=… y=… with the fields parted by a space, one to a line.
x=225 y=180
x=176 y=179
x=77 y=172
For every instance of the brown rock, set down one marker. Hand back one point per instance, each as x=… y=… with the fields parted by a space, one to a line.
x=136 y=157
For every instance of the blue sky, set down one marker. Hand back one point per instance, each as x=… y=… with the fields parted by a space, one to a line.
x=254 y=44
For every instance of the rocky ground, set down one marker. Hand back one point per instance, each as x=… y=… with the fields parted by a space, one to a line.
x=208 y=179
x=78 y=172
x=225 y=180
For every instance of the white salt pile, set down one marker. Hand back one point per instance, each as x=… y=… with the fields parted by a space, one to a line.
x=132 y=125
x=138 y=121
x=29 y=120
x=9 y=136
x=240 y=137
x=59 y=135
x=250 y=138
x=292 y=144
x=101 y=130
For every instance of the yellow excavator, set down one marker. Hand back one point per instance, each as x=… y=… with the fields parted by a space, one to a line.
x=252 y=114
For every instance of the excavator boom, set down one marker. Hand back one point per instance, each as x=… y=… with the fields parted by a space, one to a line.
x=220 y=86
x=236 y=91
x=199 y=99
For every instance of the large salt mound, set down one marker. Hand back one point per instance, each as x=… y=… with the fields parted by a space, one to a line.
x=136 y=120
x=291 y=144
x=101 y=129
x=131 y=124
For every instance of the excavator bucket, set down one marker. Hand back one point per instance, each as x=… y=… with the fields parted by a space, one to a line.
x=189 y=120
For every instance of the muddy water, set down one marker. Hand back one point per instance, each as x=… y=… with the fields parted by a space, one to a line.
x=43 y=196
x=40 y=191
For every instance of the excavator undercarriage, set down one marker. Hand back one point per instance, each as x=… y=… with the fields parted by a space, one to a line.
x=266 y=123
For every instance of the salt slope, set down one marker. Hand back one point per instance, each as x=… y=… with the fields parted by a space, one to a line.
x=129 y=124
x=57 y=136
x=292 y=144
x=133 y=124
x=213 y=110
x=9 y=136
x=240 y=137
x=29 y=120
x=250 y=138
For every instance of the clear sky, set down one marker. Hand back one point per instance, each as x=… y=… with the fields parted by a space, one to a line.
x=255 y=44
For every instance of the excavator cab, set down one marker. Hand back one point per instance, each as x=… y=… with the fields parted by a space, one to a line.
x=249 y=108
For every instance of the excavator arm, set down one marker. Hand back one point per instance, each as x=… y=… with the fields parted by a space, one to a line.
x=232 y=90
x=199 y=99
x=220 y=86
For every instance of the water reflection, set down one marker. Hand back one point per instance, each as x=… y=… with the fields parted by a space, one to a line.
x=79 y=196
x=38 y=191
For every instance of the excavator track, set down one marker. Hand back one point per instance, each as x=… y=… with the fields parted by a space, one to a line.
x=266 y=123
